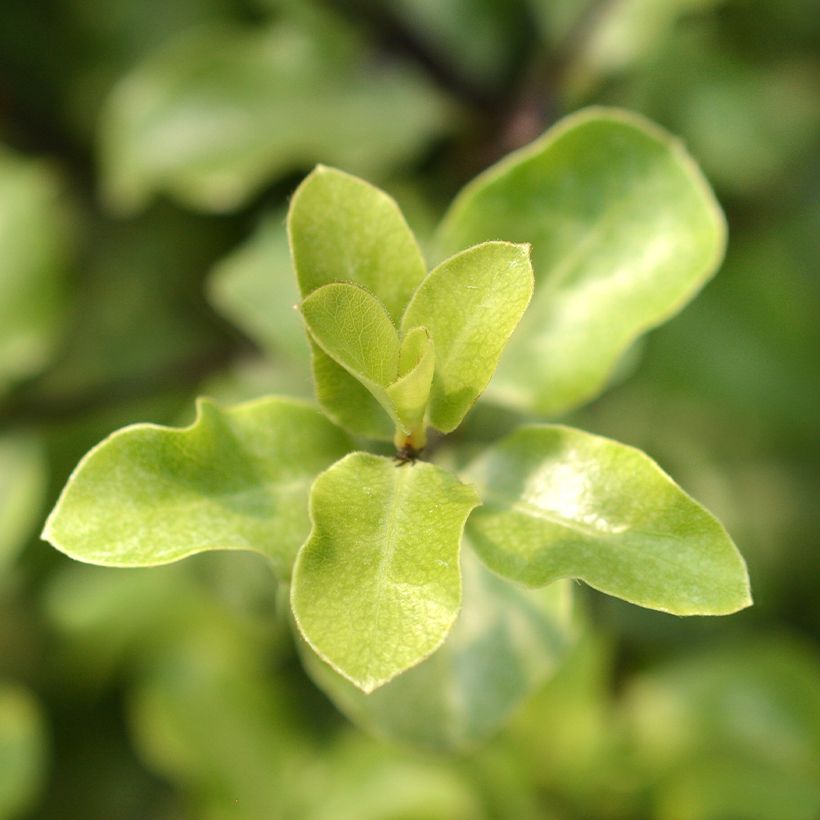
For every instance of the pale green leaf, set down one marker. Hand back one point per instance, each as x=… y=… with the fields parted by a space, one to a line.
x=411 y=391
x=624 y=231
x=23 y=480
x=347 y=401
x=22 y=750
x=470 y=304
x=218 y=112
x=236 y=479
x=506 y=642
x=343 y=229
x=353 y=327
x=377 y=586
x=561 y=503
x=34 y=243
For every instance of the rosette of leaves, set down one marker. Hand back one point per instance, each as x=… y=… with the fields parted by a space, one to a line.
x=610 y=224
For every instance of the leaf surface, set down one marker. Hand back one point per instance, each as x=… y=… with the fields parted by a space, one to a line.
x=377 y=586
x=506 y=642
x=343 y=229
x=470 y=304
x=561 y=503
x=624 y=232
x=354 y=329
x=236 y=479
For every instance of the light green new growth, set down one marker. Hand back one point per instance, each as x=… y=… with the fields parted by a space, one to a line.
x=561 y=503
x=377 y=586
x=343 y=229
x=470 y=304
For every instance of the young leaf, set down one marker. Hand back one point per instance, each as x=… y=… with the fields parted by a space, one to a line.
x=411 y=391
x=506 y=642
x=624 y=229
x=560 y=503
x=470 y=304
x=353 y=328
x=344 y=229
x=377 y=585
x=236 y=479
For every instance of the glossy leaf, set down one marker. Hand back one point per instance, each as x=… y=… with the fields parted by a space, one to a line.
x=219 y=111
x=344 y=229
x=506 y=642
x=23 y=481
x=236 y=479
x=34 y=242
x=560 y=503
x=470 y=304
x=624 y=231
x=377 y=585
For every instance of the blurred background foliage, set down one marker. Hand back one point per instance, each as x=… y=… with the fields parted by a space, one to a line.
x=146 y=155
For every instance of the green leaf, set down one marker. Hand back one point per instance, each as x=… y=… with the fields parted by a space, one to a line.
x=344 y=229
x=236 y=479
x=624 y=230
x=218 y=112
x=353 y=328
x=411 y=391
x=506 y=642
x=470 y=304
x=35 y=245
x=377 y=585
x=23 y=480
x=560 y=503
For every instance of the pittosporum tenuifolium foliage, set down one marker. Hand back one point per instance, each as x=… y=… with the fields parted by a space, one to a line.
x=546 y=268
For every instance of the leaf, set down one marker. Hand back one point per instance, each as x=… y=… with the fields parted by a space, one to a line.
x=377 y=585
x=624 y=232
x=560 y=503
x=471 y=304
x=344 y=229
x=353 y=328
x=236 y=479
x=23 y=481
x=506 y=642
x=35 y=249
x=218 y=112
x=411 y=391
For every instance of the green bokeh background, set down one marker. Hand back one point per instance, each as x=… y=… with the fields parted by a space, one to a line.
x=148 y=151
